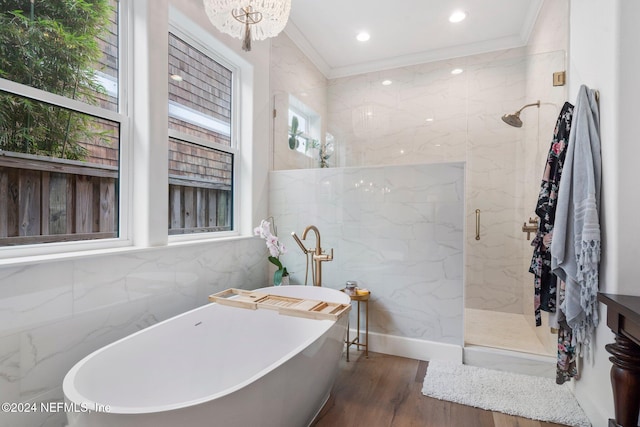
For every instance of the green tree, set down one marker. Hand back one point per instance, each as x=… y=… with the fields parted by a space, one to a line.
x=51 y=45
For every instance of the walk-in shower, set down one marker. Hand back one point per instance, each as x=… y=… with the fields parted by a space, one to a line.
x=432 y=119
x=514 y=119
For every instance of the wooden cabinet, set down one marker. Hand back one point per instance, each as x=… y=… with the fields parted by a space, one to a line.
x=623 y=317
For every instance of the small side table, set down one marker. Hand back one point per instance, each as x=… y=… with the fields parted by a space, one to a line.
x=356 y=341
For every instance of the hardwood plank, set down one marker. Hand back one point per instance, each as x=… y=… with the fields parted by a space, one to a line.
x=13 y=202
x=44 y=203
x=386 y=391
x=212 y=218
x=468 y=416
x=50 y=164
x=29 y=203
x=504 y=420
x=201 y=207
x=183 y=181
x=70 y=212
x=189 y=207
x=223 y=208
x=107 y=205
x=57 y=204
x=4 y=195
x=84 y=204
x=175 y=211
x=95 y=219
x=30 y=240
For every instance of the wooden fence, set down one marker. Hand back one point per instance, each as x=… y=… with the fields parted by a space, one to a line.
x=45 y=200
x=53 y=200
x=198 y=205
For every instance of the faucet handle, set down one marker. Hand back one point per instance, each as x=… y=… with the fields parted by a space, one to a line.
x=323 y=256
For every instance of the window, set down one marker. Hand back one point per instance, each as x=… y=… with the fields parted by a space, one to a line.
x=60 y=121
x=201 y=148
x=304 y=128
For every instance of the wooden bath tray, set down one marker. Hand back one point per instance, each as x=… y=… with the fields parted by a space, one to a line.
x=312 y=309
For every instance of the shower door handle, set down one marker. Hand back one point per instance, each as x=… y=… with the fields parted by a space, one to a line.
x=477 y=224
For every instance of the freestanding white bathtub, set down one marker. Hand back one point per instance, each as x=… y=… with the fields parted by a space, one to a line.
x=213 y=366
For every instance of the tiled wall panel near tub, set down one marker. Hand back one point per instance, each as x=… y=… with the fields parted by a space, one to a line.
x=397 y=230
x=52 y=314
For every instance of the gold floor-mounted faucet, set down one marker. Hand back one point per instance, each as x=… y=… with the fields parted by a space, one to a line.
x=317 y=254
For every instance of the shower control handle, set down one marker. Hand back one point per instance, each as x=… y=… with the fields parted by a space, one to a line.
x=533 y=228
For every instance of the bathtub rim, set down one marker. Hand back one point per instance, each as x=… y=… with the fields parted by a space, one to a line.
x=71 y=394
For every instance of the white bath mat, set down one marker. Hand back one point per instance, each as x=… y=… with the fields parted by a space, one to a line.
x=514 y=394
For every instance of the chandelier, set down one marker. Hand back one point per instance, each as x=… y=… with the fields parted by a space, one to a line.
x=248 y=19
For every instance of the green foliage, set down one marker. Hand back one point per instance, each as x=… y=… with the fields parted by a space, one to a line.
x=293 y=135
x=53 y=47
x=280 y=272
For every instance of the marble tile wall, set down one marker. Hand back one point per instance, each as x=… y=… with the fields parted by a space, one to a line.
x=429 y=115
x=537 y=142
x=292 y=73
x=52 y=314
x=397 y=230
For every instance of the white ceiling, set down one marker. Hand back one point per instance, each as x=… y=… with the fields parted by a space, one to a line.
x=404 y=32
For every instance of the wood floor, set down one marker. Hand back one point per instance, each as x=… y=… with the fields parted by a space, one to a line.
x=385 y=391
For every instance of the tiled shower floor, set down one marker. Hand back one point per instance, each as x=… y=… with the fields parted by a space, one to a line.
x=504 y=330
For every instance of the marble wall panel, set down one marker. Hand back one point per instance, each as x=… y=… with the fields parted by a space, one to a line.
x=397 y=230
x=52 y=314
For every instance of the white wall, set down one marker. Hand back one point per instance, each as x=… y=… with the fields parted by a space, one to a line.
x=604 y=56
x=292 y=73
x=55 y=310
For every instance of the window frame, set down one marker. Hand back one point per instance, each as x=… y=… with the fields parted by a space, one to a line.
x=122 y=117
x=184 y=29
x=132 y=211
x=312 y=126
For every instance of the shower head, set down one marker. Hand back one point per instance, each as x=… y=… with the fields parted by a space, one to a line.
x=514 y=119
x=297 y=239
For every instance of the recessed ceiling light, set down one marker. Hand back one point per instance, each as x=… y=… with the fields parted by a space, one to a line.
x=176 y=77
x=363 y=36
x=386 y=82
x=429 y=119
x=457 y=16
x=456 y=71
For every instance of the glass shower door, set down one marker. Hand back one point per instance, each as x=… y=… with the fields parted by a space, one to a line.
x=504 y=168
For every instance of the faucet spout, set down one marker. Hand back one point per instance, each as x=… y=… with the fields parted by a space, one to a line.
x=313 y=228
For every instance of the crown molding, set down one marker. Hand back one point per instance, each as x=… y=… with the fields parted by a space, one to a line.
x=303 y=44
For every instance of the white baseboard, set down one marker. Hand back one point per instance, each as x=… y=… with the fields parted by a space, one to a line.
x=411 y=347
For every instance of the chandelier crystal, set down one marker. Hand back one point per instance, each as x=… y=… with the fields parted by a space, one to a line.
x=248 y=19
